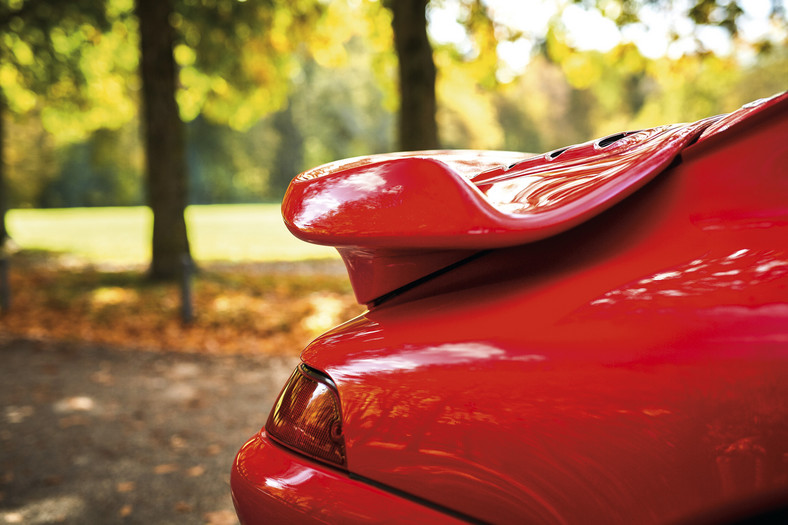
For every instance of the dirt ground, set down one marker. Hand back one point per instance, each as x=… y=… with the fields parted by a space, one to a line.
x=93 y=434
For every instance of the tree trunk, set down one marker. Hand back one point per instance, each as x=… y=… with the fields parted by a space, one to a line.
x=289 y=157
x=417 y=126
x=3 y=168
x=163 y=138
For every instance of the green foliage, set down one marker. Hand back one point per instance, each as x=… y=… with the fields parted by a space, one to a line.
x=58 y=59
x=725 y=13
x=91 y=174
x=270 y=88
x=338 y=105
x=566 y=95
x=225 y=165
x=31 y=161
x=235 y=57
x=341 y=112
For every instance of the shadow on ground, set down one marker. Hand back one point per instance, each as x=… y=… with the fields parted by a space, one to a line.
x=99 y=435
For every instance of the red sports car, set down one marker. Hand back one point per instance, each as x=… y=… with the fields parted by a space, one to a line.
x=594 y=335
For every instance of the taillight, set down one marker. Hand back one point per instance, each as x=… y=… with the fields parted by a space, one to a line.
x=306 y=417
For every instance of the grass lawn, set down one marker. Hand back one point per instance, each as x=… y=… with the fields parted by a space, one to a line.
x=240 y=232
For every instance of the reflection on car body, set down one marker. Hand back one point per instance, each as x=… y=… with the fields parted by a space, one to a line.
x=597 y=334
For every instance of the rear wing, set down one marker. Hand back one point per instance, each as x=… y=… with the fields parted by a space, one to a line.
x=398 y=217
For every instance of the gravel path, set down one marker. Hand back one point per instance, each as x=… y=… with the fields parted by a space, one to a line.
x=101 y=435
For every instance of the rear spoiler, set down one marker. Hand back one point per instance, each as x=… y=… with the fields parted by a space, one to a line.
x=396 y=218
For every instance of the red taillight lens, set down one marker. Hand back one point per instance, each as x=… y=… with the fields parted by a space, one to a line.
x=306 y=417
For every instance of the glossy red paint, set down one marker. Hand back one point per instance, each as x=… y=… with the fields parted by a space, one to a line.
x=631 y=369
x=421 y=202
x=744 y=117
x=272 y=485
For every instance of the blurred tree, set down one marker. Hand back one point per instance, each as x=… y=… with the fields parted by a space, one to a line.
x=163 y=135
x=41 y=45
x=226 y=165
x=232 y=58
x=721 y=13
x=3 y=191
x=342 y=115
x=468 y=80
x=101 y=171
x=417 y=125
x=341 y=99
x=269 y=88
x=289 y=159
x=219 y=95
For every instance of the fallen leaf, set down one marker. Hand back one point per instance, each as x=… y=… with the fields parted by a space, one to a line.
x=72 y=421
x=240 y=308
x=165 y=468
x=102 y=377
x=196 y=471
x=74 y=404
x=126 y=486
x=18 y=414
x=220 y=517
x=125 y=510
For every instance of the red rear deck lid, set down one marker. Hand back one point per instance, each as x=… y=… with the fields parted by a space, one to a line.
x=395 y=218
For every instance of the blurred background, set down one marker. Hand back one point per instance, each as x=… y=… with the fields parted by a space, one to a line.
x=142 y=134
x=268 y=88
